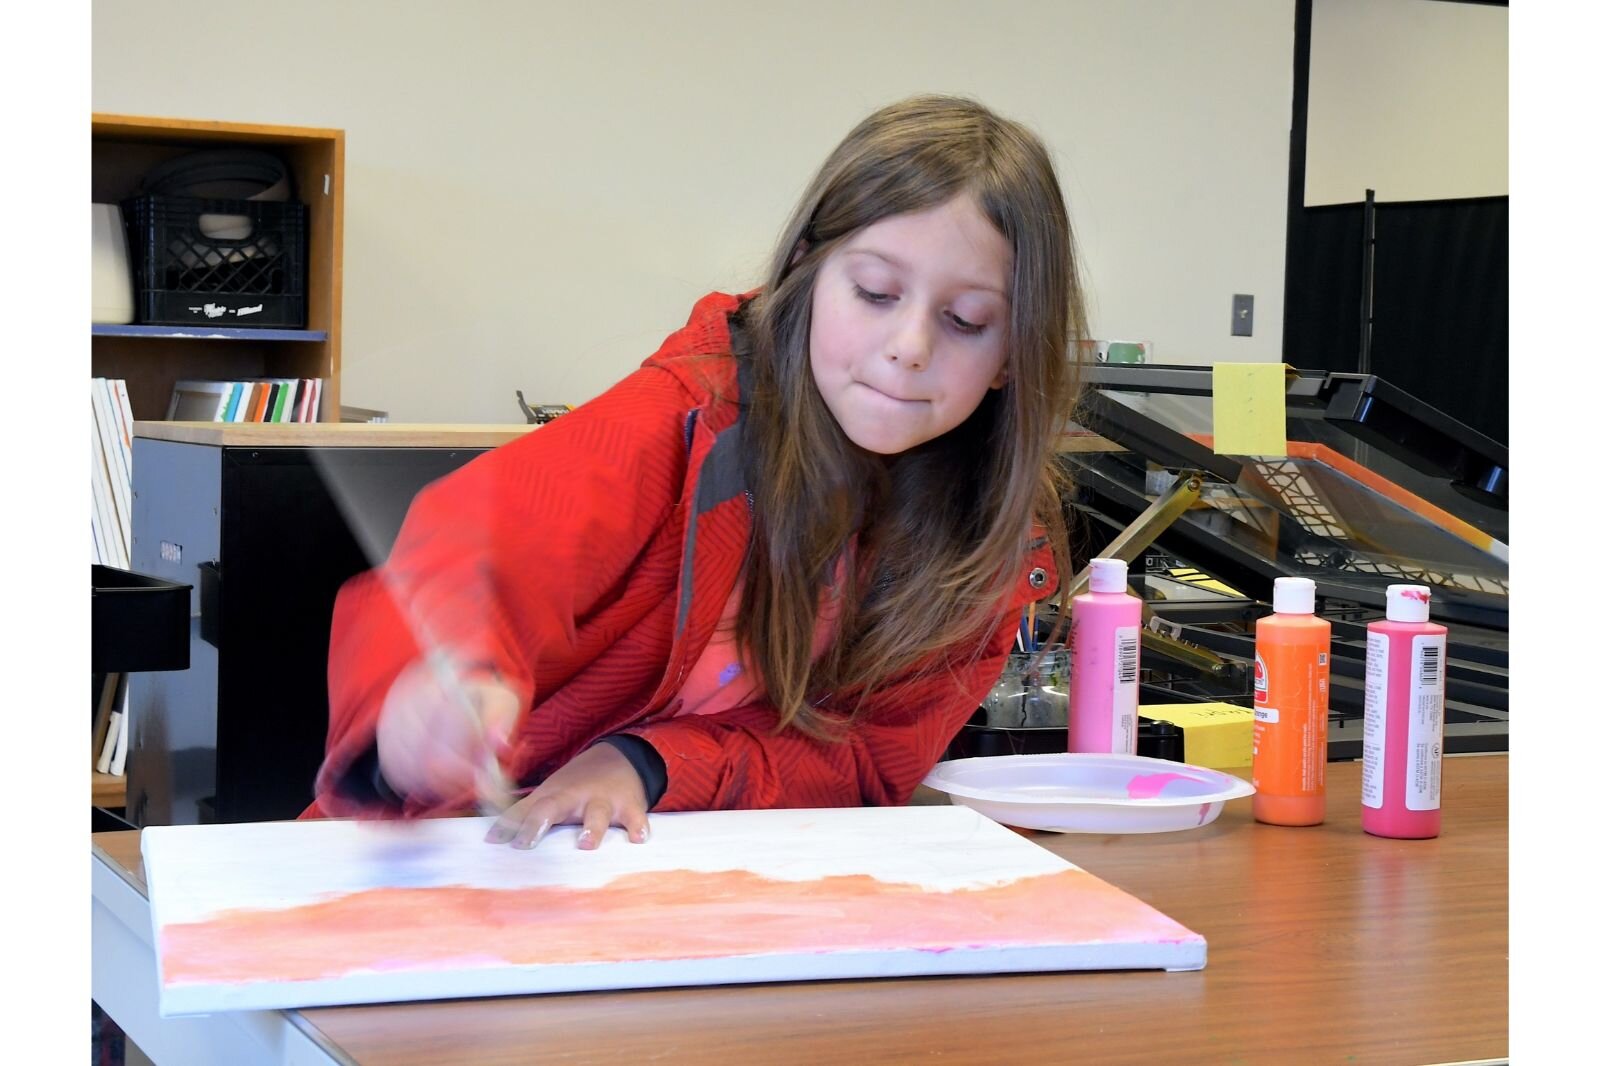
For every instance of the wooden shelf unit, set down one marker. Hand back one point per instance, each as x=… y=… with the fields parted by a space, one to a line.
x=151 y=359
x=110 y=790
x=124 y=148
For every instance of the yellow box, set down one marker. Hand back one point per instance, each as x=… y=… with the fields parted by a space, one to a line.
x=1216 y=735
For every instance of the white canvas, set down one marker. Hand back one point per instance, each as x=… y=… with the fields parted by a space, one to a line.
x=297 y=914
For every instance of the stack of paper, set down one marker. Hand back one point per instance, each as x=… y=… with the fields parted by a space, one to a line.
x=111 y=517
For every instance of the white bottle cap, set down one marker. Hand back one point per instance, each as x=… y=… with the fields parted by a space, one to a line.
x=1108 y=575
x=1294 y=595
x=1409 y=603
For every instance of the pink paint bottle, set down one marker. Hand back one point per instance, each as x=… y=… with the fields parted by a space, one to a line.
x=1403 y=732
x=1103 y=690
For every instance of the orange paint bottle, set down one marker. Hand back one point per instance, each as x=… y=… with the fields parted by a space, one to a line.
x=1289 y=766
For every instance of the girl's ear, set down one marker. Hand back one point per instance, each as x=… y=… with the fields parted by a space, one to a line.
x=1002 y=377
x=800 y=250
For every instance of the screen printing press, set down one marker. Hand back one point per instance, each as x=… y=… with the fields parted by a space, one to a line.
x=1377 y=488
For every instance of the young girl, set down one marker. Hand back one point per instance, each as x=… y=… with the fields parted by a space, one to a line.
x=777 y=566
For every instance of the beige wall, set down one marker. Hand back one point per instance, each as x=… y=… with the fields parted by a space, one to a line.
x=536 y=192
x=1407 y=98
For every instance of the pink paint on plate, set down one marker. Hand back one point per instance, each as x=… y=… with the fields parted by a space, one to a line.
x=1148 y=786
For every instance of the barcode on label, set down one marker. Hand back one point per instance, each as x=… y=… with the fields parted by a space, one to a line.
x=1127 y=660
x=1430 y=667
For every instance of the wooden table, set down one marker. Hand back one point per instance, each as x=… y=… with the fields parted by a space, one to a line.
x=1325 y=945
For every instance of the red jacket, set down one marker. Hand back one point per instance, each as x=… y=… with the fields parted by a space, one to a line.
x=588 y=562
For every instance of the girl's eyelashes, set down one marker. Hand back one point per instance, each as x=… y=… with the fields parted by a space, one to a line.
x=961 y=325
x=972 y=329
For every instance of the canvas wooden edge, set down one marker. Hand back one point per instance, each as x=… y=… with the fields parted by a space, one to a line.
x=1174 y=956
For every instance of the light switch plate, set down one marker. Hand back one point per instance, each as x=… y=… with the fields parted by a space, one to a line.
x=1244 y=315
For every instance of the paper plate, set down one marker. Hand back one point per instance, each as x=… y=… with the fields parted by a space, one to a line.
x=1071 y=793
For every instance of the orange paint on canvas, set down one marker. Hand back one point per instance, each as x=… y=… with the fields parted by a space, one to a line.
x=671 y=915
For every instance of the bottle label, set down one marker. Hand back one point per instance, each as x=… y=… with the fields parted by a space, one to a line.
x=1425 y=740
x=1125 y=700
x=1375 y=719
x=1289 y=741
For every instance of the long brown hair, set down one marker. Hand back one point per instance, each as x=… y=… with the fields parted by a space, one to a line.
x=944 y=529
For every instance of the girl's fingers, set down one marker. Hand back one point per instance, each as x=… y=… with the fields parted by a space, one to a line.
x=504 y=827
x=590 y=791
x=632 y=819
x=524 y=823
x=596 y=820
x=533 y=828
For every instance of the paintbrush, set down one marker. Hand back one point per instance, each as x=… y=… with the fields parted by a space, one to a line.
x=491 y=783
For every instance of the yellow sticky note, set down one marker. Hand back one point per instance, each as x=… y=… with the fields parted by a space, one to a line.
x=1247 y=409
x=1217 y=735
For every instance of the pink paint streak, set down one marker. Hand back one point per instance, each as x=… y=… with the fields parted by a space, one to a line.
x=1148 y=786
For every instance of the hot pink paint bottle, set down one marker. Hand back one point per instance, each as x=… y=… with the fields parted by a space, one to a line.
x=1403 y=734
x=1103 y=690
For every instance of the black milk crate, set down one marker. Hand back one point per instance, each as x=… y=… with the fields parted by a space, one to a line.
x=235 y=263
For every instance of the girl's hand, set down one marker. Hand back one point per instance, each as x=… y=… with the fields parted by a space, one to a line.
x=599 y=788
x=440 y=734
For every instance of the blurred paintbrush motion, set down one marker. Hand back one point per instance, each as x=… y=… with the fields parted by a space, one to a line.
x=478 y=713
